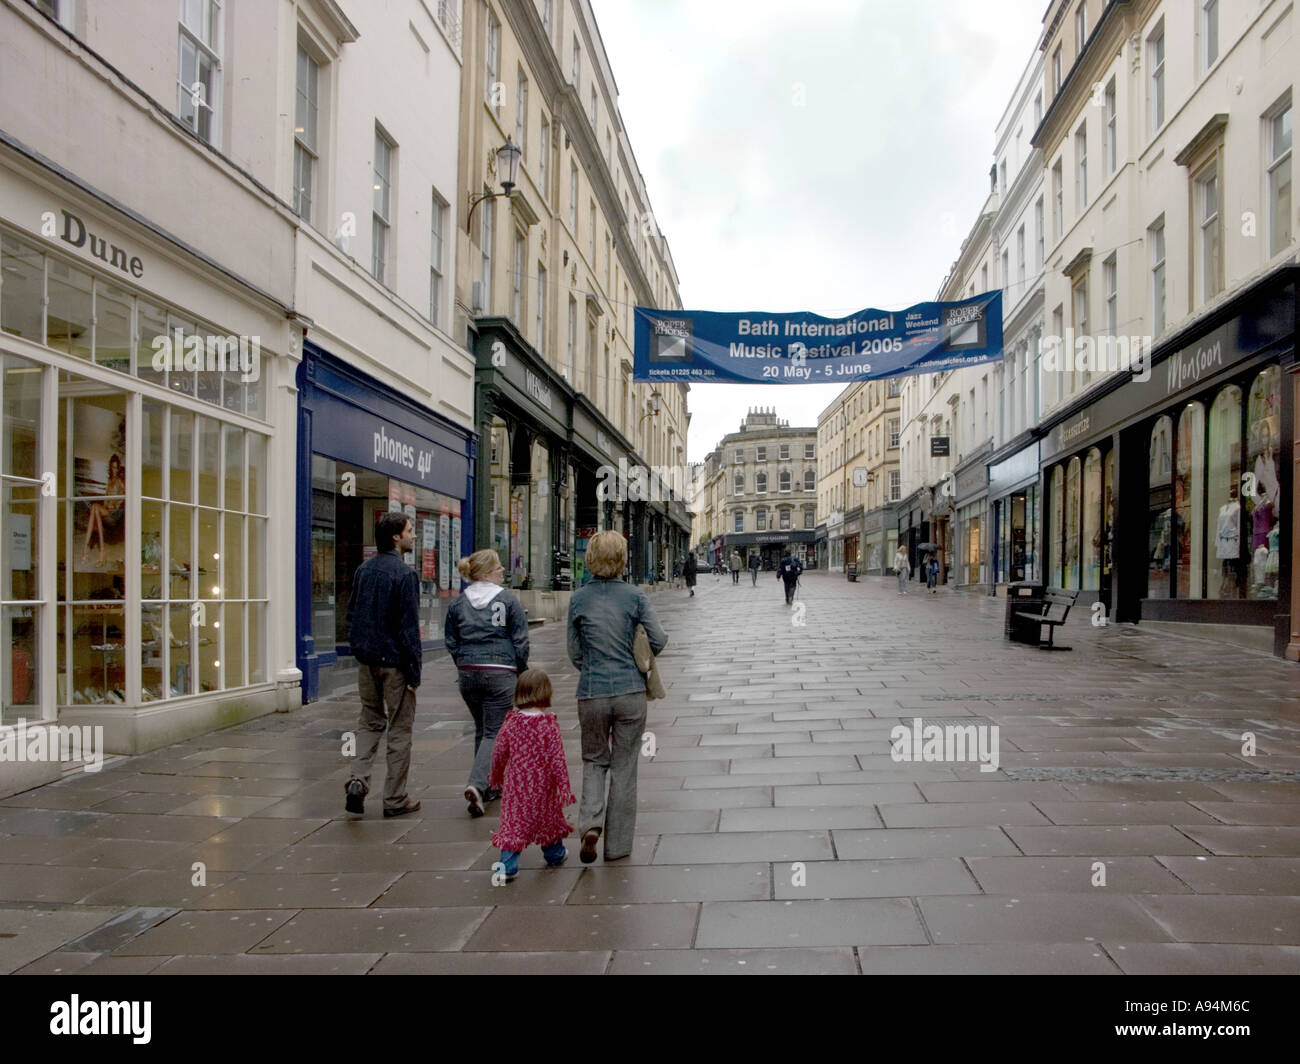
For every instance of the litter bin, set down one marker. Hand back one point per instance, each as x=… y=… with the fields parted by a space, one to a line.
x=1023 y=597
x=851 y=570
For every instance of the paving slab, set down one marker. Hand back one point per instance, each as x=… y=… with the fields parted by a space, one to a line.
x=922 y=842
x=1235 y=918
x=593 y=962
x=735 y=925
x=1039 y=958
x=26 y=934
x=1180 y=958
x=588 y=927
x=1083 y=875
x=1040 y=918
x=795 y=961
x=388 y=930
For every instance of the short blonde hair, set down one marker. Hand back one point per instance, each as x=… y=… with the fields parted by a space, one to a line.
x=533 y=689
x=607 y=554
x=479 y=565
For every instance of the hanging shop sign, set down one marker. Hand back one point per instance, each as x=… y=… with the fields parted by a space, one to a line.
x=805 y=348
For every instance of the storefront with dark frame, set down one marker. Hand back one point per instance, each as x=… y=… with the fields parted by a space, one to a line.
x=364 y=449
x=1014 y=512
x=553 y=471
x=1169 y=499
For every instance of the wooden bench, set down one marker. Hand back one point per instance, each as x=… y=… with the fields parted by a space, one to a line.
x=1055 y=605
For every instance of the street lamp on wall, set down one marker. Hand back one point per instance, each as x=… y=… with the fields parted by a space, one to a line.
x=508 y=164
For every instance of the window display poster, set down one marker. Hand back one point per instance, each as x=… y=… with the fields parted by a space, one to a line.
x=20 y=542
x=444 y=551
x=455 y=541
x=99 y=468
x=428 y=560
x=430 y=534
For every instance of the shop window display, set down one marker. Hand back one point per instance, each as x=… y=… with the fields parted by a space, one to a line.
x=1090 y=504
x=346 y=501
x=21 y=607
x=1263 y=490
x=1057 y=489
x=542 y=501
x=1224 y=574
x=1159 y=508
x=1189 y=501
x=1070 y=569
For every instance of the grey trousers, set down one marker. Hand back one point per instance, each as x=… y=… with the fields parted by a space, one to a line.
x=903 y=574
x=611 y=744
x=489 y=695
x=386 y=704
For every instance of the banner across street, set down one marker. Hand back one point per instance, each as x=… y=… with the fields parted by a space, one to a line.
x=804 y=348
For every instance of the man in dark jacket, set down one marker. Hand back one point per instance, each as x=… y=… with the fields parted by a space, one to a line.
x=788 y=572
x=754 y=562
x=384 y=622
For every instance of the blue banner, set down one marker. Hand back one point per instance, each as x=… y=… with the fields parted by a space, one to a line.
x=705 y=346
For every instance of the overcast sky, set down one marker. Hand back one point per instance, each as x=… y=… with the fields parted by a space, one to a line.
x=821 y=155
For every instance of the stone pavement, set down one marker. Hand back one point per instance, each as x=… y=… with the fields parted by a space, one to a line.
x=1124 y=831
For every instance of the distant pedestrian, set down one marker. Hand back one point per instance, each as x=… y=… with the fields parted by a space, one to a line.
x=932 y=574
x=384 y=631
x=754 y=562
x=690 y=572
x=677 y=574
x=603 y=617
x=903 y=566
x=788 y=573
x=528 y=768
x=735 y=567
x=486 y=634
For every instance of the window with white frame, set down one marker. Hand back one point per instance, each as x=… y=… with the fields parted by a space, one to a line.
x=738 y=483
x=1112 y=141
x=1080 y=26
x=381 y=208
x=1209 y=242
x=1058 y=197
x=740 y=457
x=609 y=259
x=521 y=116
x=1056 y=70
x=437 y=215
x=740 y=521
x=1079 y=308
x=575 y=75
x=760 y=454
x=760 y=519
x=1110 y=280
x=809 y=451
x=785 y=480
x=488 y=234
x=492 y=71
x=541 y=308
x=892 y=427
x=199 y=71
x=573 y=339
x=1081 y=167
x=59 y=10
x=1279 y=177
x=1006 y=269
x=591 y=234
x=1039 y=233
x=593 y=105
x=1208 y=32
x=546 y=16
x=1038 y=108
x=573 y=198
x=544 y=158
x=305 y=154
x=893 y=388
x=784 y=452
x=760 y=483
x=785 y=518
x=1156 y=78
x=809 y=480
x=895 y=485
x=517 y=302
x=1156 y=241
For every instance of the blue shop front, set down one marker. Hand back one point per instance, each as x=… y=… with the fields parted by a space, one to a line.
x=364 y=449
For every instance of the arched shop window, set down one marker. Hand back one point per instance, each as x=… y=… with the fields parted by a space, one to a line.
x=1092 y=504
x=1262 y=494
x=1225 y=570
x=1108 y=517
x=1070 y=570
x=1159 y=508
x=1058 y=506
x=1189 y=501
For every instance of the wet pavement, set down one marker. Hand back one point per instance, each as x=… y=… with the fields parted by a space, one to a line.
x=1127 y=829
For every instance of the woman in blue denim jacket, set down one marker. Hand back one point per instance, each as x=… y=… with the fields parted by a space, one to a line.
x=486 y=633
x=603 y=616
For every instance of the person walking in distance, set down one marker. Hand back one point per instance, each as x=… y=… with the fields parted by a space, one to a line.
x=690 y=571
x=754 y=562
x=932 y=574
x=528 y=767
x=902 y=566
x=735 y=566
x=603 y=618
x=788 y=573
x=384 y=625
x=486 y=634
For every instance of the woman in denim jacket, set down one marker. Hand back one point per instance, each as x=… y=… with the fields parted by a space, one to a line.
x=486 y=634
x=603 y=616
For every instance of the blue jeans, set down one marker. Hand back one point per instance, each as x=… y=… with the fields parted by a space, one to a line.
x=554 y=854
x=489 y=694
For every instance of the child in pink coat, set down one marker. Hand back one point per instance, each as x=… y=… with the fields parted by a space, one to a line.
x=528 y=768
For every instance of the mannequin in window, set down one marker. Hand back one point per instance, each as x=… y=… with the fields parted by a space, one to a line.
x=1227 y=542
x=1266 y=489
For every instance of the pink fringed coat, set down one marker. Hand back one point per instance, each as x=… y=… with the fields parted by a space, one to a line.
x=528 y=768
